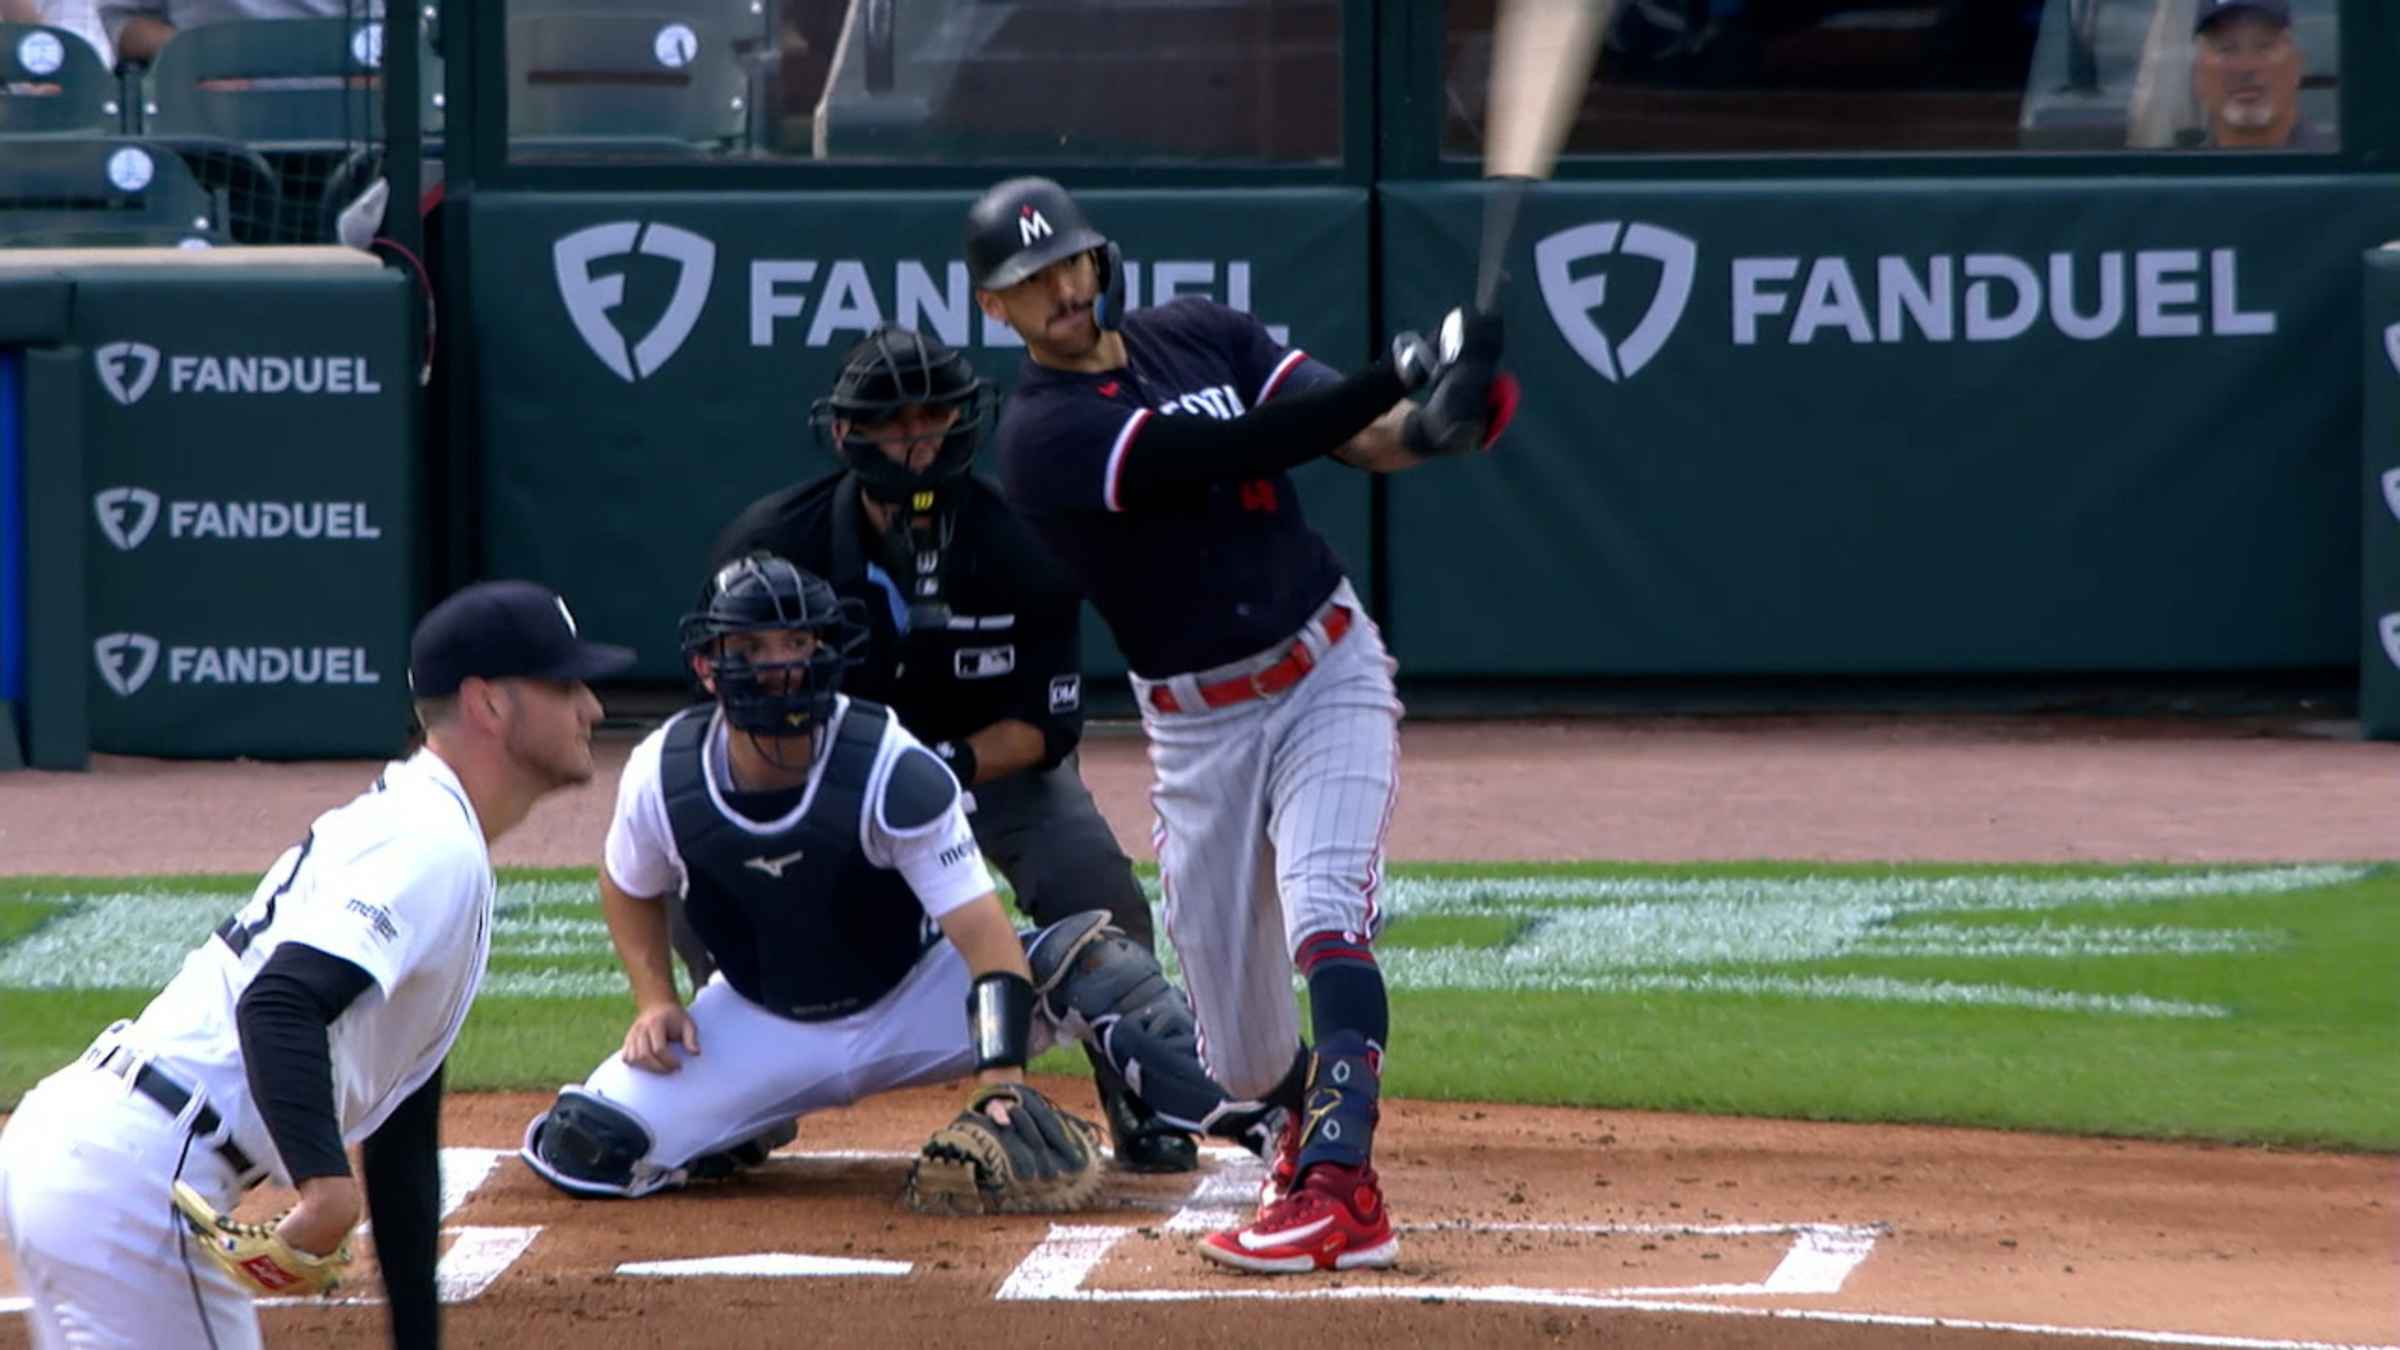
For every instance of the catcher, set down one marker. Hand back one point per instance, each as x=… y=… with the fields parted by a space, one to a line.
x=826 y=865
x=317 y=1016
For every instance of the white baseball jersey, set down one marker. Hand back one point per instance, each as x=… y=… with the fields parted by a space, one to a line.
x=399 y=882
x=942 y=863
x=756 y=1068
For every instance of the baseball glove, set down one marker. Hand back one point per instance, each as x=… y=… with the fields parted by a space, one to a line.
x=1042 y=1161
x=253 y=1255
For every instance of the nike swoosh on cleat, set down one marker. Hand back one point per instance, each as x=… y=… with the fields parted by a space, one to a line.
x=1261 y=1241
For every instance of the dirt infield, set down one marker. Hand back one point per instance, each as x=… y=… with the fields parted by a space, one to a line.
x=1524 y=1226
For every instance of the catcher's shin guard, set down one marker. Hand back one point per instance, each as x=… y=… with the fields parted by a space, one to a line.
x=1141 y=1141
x=1106 y=990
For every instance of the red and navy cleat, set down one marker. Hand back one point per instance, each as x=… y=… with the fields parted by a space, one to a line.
x=1335 y=1220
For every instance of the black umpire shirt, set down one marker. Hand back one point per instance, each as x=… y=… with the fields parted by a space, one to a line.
x=1013 y=645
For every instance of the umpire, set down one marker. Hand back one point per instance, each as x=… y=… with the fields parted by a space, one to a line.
x=973 y=641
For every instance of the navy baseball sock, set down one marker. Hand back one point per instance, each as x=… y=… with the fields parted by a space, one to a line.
x=1345 y=988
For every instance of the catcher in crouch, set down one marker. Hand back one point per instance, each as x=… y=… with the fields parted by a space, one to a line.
x=825 y=862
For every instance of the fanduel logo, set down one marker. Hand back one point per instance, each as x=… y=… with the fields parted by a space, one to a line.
x=1572 y=299
x=127 y=369
x=2390 y=629
x=2391 y=346
x=126 y=514
x=113 y=360
x=841 y=298
x=2391 y=491
x=589 y=298
x=125 y=660
x=1974 y=297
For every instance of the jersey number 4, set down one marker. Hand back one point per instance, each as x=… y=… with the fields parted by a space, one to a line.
x=239 y=935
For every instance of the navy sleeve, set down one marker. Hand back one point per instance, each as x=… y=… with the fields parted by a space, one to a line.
x=404 y=1203
x=1268 y=367
x=281 y=1019
x=1158 y=459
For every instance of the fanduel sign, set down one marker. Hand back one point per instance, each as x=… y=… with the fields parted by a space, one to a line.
x=126 y=662
x=128 y=370
x=127 y=515
x=820 y=302
x=1797 y=300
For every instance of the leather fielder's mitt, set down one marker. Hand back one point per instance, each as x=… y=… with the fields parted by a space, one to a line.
x=1043 y=1161
x=253 y=1255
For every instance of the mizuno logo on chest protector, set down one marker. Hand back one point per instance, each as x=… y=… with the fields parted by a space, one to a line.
x=774 y=866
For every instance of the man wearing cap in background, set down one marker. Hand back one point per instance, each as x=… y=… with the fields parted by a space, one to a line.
x=2246 y=72
x=317 y=1016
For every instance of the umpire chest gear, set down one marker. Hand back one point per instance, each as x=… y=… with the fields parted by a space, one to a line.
x=799 y=921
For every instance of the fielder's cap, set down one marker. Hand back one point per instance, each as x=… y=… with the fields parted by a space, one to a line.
x=500 y=630
x=2280 y=11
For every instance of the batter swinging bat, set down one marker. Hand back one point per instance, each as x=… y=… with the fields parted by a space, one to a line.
x=1541 y=63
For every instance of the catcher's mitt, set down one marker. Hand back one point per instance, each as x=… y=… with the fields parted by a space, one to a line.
x=1042 y=1161
x=253 y=1255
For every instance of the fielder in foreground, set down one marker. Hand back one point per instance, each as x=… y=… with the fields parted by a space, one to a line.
x=317 y=1016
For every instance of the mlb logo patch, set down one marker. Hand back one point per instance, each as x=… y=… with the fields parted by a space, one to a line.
x=1066 y=693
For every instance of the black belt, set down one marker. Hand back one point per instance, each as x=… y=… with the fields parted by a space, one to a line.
x=173 y=1097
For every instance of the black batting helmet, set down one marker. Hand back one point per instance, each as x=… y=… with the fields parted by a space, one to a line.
x=762 y=592
x=1022 y=226
x=890 y=369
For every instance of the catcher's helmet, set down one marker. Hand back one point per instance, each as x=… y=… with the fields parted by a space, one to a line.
x=890 y=369
x=763 y=592
x=1023 y=225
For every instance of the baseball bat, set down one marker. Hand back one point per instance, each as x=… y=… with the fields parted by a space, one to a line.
x=1541 y=64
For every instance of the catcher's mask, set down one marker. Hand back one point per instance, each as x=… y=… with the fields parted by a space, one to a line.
x=889 y=372
x=761 y=593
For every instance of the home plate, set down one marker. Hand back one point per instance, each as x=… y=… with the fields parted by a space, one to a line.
x=764 y=1266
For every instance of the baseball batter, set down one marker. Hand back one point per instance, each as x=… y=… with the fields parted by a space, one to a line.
x=826 y=864
x=1152 y=451
x=317 y=1016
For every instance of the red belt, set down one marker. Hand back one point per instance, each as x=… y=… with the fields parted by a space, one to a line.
x=1276 y=678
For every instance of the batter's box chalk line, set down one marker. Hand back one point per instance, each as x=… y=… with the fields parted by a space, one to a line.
x=1818 y=1262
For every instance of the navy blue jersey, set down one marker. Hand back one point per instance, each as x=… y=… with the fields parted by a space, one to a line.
x=1224 y=569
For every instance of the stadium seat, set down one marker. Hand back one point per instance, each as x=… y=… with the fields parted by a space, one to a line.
x=58 y=191
x=279 y=84
x=649 y=81
x=53 y=83
x=752 y=26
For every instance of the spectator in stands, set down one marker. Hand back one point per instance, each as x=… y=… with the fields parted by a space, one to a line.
x=2246 y=76
x=141 y=27
x=79 y=17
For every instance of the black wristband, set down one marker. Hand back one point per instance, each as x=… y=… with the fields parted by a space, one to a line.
x=1000 y=1020
x=960 y=756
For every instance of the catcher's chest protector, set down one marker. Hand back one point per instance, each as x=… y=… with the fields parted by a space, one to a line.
x=796 y=917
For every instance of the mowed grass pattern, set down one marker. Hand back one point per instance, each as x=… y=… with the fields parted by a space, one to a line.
x=2240 y=1004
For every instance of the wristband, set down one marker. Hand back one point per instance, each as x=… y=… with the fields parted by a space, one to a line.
x=1000 y=1019
x=960 y=756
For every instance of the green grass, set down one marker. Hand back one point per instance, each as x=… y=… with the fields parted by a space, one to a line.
x=2153 y=1002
